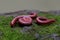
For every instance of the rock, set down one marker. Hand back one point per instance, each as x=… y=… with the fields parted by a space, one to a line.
x=25 y=29
x=56 y=12
x=1 y=33
x=55 y=36
x=37 y=35
x=20 y=12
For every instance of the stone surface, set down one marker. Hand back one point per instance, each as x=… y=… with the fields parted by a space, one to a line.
x=1 y=33
x=26 y=29
x=56 y=12
x=22 y=12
